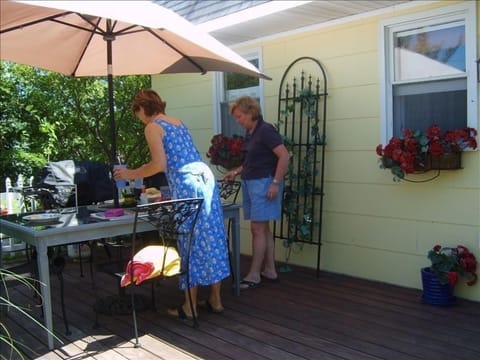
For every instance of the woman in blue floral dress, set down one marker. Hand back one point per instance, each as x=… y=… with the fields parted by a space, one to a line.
x=174 y=152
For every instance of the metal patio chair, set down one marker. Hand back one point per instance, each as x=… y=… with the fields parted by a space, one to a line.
x=174 y=221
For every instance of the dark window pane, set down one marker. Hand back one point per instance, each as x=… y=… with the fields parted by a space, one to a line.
x=229 y=125
x=448 y=109
x=241 y=81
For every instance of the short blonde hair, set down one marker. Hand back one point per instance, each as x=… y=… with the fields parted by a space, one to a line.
x=247 y=105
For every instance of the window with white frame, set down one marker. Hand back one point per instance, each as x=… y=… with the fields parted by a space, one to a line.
x=232 y=86
x=430 y=70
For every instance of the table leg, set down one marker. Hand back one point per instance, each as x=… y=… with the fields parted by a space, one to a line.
x=44 y=278
x=236 y=250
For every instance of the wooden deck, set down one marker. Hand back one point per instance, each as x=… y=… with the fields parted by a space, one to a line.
x=299 y=317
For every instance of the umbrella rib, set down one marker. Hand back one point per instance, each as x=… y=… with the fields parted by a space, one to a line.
x=201 y=69
x=54 y=18
x=38 y=21
x=97 y=30
x=92 y=32
x=107 y=32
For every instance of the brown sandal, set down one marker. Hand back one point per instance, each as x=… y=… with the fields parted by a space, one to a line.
x=179 y=313
x=206 y=305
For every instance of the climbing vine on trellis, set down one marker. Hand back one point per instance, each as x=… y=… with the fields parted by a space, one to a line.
x=301 y=121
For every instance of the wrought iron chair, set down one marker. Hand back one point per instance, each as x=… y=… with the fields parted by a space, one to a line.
x=175 y=221
x=229 y=191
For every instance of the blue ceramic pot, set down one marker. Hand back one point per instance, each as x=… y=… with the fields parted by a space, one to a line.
x=435 y=293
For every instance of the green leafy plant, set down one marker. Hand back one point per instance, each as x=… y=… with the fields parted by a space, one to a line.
x=451 y=263
x=299 y=200
x=15 y=346
x=46 y=116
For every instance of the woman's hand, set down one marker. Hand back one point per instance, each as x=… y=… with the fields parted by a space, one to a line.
x=121 y=174
x=272 y=191
x=230 y=176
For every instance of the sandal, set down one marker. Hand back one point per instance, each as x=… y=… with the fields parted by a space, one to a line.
x=179 y=313
x=206 y=305
x=247 y=284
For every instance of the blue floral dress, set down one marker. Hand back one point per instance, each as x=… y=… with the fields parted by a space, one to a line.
x=188 y=176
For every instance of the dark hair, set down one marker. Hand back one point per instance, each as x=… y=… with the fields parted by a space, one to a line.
x=247 y=105
x=150 y=101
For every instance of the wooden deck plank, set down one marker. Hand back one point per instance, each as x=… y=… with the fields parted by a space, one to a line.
x=299 y=317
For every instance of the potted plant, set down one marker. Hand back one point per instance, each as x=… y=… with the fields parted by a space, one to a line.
x=448 y=265
x=226 y=151
x=422 y=151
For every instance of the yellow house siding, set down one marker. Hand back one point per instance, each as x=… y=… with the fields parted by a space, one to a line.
x=189 y=97
x=373 y=227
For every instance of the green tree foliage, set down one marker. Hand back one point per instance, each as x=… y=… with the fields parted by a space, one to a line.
x=46 y=116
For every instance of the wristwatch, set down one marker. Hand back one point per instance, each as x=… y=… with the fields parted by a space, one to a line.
x=275 y=181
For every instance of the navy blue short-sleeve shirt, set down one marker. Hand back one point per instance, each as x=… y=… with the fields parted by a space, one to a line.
x=260 y=160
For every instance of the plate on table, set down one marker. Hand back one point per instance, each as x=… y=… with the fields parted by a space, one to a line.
x=42 y=218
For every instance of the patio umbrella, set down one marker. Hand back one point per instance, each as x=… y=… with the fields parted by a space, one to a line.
x=107 y=38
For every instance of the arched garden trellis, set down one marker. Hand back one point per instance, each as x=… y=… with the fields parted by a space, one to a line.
x=302 y=108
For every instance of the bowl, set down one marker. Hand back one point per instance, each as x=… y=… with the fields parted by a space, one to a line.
x=154 y=198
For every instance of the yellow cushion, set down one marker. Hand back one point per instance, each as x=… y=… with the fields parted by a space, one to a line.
x=150 y=262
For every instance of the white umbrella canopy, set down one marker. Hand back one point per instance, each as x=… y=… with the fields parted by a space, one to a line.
x=71 y=37
x=107 y=38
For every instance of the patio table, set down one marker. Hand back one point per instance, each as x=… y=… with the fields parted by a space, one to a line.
x=78 y=227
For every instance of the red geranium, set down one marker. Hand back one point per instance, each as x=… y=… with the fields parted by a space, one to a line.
x=402 y=155
x=452 y=263
x=226 y=151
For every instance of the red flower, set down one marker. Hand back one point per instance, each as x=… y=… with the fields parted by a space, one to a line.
x=226 y=151
x=434 y=132
x=407 y=133
x=435 y=148
x=452 y=278
x=411 y=145
x=452 y=263
x=403 y=155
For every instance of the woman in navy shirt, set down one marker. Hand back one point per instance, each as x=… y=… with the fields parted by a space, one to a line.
x=262 y=172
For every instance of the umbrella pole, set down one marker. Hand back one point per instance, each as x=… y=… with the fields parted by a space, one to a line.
x=109 y=38
x=113 y=150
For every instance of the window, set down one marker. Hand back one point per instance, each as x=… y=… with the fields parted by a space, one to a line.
x=232 y=86
x=430 y=70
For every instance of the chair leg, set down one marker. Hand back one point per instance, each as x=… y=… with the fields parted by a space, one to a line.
x=189 y=292
x=57 y=268
x=80 y=258
x=91 y=260
x=154 y=302
x=232 y=273
x=134 y=316
x=194 y=316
